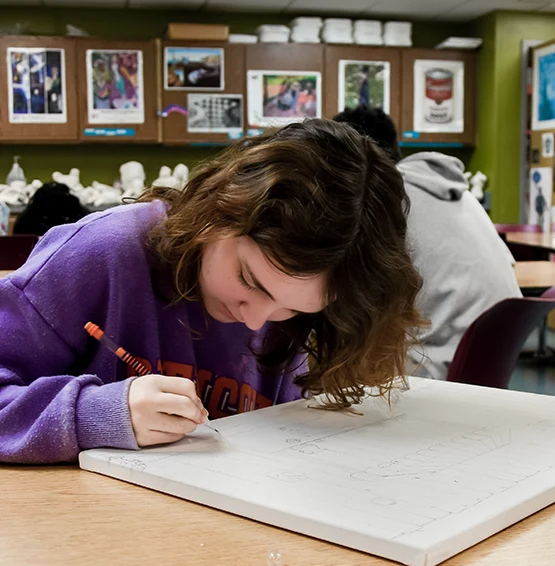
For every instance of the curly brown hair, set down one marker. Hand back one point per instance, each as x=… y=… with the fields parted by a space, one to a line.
x=317 y=197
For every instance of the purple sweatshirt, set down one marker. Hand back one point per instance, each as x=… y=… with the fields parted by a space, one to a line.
x=62 y=391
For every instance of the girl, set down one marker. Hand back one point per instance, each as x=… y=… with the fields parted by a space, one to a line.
x=296 y=234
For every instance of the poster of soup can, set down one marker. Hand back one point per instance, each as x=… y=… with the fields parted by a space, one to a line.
x=438 y=96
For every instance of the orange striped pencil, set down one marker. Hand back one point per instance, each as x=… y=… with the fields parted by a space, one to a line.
x=96 y=332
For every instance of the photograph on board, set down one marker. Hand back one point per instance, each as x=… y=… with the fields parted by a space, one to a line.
x=282 y=97
x=115 y=86
x=214 y=113
x=540 y=197
x=438 y=96
x=363 y=82
x=36 y=86
x=543 y=89
x=193 y=68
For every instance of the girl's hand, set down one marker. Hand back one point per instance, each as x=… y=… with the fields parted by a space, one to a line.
x=164 y=409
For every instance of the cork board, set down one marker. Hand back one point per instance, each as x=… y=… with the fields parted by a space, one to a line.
x=219 y=105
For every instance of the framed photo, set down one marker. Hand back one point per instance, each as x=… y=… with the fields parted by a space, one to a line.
x=277 y=98
x=215 y=113
x=438 y=96
x=193 y=68
x=543 y=89
x=115 y=92
x=364 y=82
x=36 y=86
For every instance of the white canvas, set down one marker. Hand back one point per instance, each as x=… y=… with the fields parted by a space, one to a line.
x=445 y=467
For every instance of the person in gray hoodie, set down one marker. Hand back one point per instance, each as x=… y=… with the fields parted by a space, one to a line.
x=465 y=265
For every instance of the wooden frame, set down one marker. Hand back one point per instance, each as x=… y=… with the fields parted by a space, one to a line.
x=36 y=133
x=286 y=57
x=409 y=56
x=174 y=126
x=148 y=132
x=336 y=53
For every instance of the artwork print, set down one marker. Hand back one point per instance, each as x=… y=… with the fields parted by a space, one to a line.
x=115 y=93
x=193 y=68
x=36 y=86
x=543 y=89
x=214 y=113
x=540 y=197
x=438 y=96
x=364 y=82
x=283 y=97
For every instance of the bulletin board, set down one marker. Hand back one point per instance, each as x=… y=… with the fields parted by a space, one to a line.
x=438 y=96
x=357 y=74
x=202 y=91
x=542 y=151
x=269 y=64
x=37 y=84
x=118 y=90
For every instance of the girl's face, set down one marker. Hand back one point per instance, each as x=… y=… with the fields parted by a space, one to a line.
x=238 y=284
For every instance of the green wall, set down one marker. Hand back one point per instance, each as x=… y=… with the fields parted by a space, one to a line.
x=482 y=158
x=101 y=162
x=97 y=162
x=498 y=146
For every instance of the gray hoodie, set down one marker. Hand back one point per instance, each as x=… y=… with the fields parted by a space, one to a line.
x=465 y=265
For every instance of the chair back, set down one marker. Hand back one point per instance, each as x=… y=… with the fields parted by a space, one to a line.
x=15 y=249
x=505 y=228
x=489 y=349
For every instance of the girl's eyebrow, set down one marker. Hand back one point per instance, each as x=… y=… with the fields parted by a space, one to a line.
x=261 y=287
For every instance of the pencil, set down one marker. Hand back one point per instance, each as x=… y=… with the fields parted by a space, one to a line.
x=96 y=332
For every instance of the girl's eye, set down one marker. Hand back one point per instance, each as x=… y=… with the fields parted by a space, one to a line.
x=243 y=281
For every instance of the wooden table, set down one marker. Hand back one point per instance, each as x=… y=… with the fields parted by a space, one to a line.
x=542 y=240
x=4 y=273
x=535 y=274
x=62 y=515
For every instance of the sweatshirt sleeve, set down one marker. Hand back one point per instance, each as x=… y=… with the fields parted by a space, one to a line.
x=51 y=418
x=51 y=407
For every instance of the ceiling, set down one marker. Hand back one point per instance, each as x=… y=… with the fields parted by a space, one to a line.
x=445 y=10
